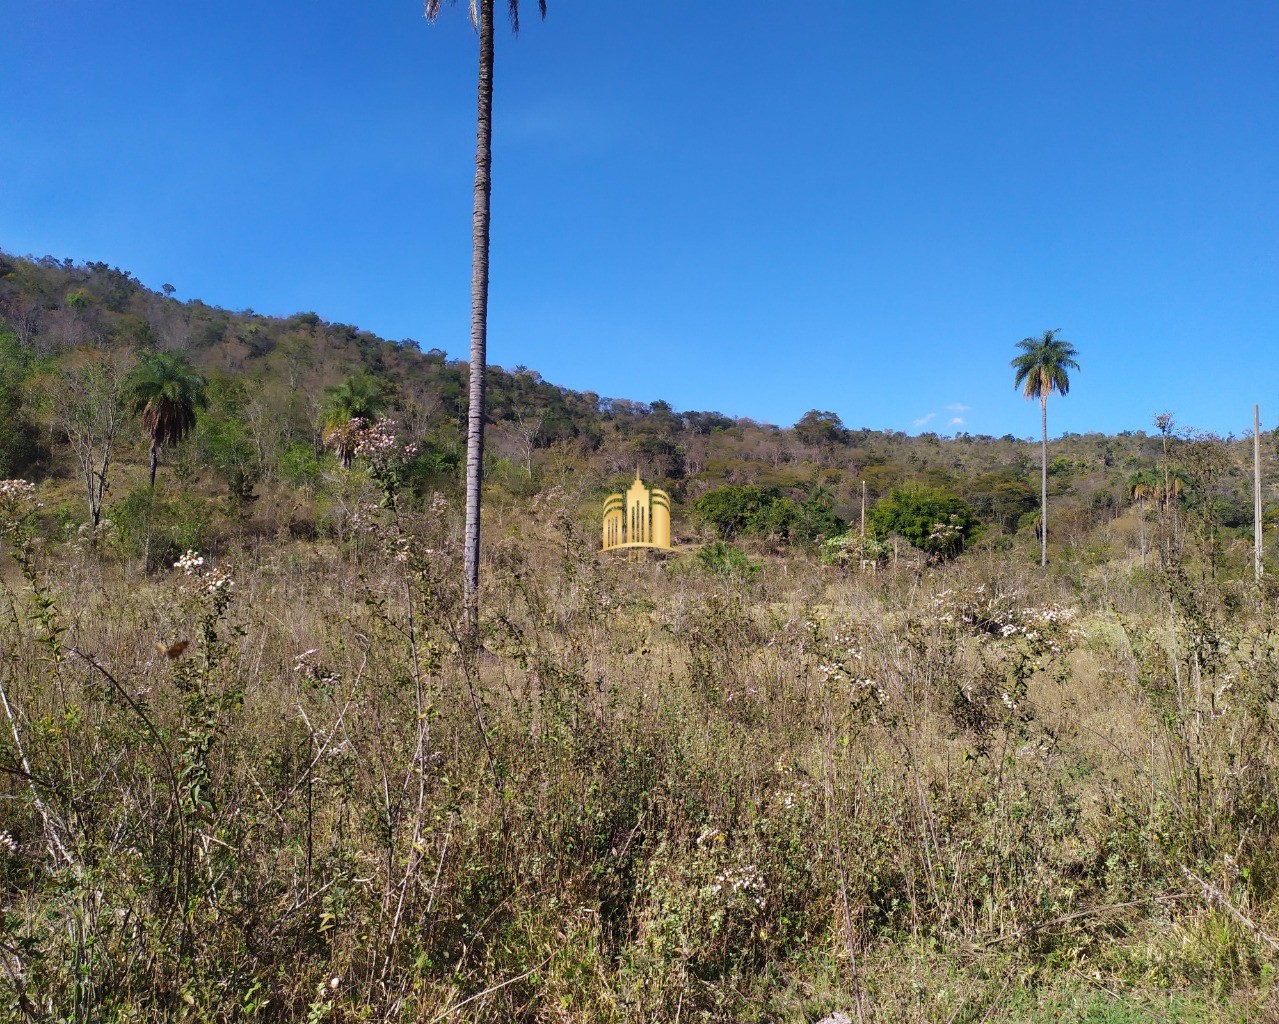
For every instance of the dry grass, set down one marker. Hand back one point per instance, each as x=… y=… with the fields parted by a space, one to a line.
x=655 y=795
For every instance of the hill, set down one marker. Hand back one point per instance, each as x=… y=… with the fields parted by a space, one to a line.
x=262 y=435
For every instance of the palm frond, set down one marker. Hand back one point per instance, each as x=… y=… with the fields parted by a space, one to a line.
x=165 y=391
x=360 y=395
x=1042 y=367
x=432 y=10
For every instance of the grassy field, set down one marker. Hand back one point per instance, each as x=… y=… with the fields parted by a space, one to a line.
x=657 y=792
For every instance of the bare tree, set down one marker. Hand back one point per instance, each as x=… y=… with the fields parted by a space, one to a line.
x=528 y=428
x=84 y=402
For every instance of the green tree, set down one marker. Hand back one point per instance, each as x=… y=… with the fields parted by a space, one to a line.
x=165 y=391
x=743 y=511
x=224 y=440
x=360 y=397
x=816 y=427
x=1041 y=370
x=483 y=12
x=817 y=518
x=930 y=519
x=1000 y=497
x=19 y=445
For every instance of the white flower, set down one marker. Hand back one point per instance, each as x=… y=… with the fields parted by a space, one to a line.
x=710 y=835
x=18 y=489
x=191 y=563
x=17 y=503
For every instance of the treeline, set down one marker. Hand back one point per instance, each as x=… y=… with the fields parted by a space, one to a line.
x=72 y=336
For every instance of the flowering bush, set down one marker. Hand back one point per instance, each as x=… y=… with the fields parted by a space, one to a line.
x=1004 y=615
x=18 y=506
x=1012 y=640
x=209 y=581
x=848 y=549
x=932 y=520
x=376 y=443
x=840 y=661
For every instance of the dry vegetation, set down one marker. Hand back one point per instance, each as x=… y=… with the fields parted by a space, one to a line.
x=952 y=793
x=736 y=786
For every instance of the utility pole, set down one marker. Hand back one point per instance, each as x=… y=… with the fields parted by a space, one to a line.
x=1256 y=491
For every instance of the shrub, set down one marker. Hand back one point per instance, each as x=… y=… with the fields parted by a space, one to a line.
x=930 y=519
x=19 y=436
x=747 y=511
x=722 y=559
x=156 y=529
x=225 y=444
x=300 y=465
x=847 y=549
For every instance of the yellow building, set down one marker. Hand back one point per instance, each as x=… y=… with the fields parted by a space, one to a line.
x=640 y=518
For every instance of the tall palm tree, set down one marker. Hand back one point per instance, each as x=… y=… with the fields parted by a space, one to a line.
x=359 y=397
x=165 y=391
x=482 y=14
x=1041 y=370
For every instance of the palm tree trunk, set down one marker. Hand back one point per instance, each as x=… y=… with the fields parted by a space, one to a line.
x=1141 y=506
x=479 y=313
x=1043 y=484
x=155 y=457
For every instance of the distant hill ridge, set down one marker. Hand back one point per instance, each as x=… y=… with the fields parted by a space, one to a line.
x=272 y=374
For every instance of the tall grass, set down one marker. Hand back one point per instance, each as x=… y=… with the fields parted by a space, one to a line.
x=656 y=793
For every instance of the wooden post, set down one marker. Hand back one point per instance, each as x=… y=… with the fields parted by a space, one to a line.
x=1256 y=492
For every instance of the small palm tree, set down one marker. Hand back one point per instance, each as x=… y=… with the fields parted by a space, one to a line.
x=1041 y=370
x=1173 y=486
x=359 y=397
x=1169 y=492
x=1143 y=485
x=165 y=391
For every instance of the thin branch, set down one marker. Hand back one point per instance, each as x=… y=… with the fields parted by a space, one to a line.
x=489 y=991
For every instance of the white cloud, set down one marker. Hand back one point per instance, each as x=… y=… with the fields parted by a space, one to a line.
x=924 y=419
x=957 y=421
x=958 y=407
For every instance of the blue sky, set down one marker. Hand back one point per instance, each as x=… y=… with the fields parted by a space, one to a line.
x=754 y=207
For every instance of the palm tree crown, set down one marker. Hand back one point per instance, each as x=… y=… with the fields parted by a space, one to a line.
x=513 y=7
x=165 y=391
x=1144 y=484
x=360 y=397
x=1041 y=368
